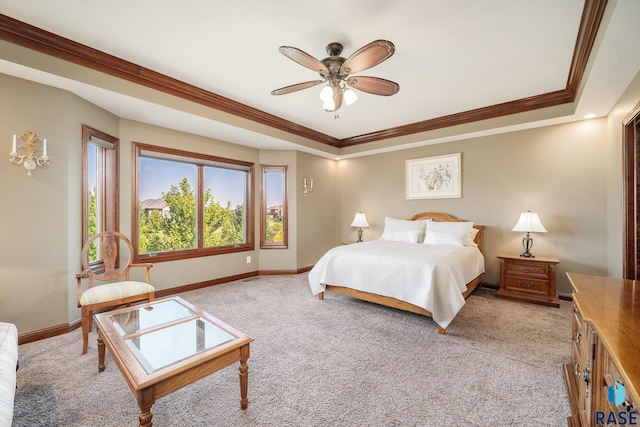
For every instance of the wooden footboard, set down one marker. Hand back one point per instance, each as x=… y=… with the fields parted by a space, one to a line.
x=393 y=302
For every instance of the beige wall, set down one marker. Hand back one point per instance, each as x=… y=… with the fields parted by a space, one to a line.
x=40 y=218
x=615 y=212
x=317 y=224
x=557 y=171
x=570 y=174
x=312 y=217
x=40 y=213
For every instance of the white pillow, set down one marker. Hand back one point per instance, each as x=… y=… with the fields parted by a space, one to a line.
x=402 y=236
x=402 y=224
x=471 y=235
x=456 y=227
x=445 y=238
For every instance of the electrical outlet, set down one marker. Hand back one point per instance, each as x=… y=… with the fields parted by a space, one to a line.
x=248 y=259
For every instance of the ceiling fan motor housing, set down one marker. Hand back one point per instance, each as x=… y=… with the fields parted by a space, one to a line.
x=334 y=49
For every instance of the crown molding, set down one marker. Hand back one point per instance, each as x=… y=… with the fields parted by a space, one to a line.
x=34 y=38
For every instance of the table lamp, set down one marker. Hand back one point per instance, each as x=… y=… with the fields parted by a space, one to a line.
x=529 y=223
x=360 y=221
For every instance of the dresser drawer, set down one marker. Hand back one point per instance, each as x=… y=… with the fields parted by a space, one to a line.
x=523 y=284
x=527 y=269
x=578 y=323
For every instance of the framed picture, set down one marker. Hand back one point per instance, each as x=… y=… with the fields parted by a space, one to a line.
x=438 y=177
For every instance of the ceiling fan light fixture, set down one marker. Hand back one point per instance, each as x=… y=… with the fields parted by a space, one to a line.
x=350 y=96
x=326 y=93
x=329 y=105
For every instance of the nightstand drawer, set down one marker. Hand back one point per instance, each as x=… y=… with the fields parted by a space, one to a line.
x=523 y=284
x=527 y=269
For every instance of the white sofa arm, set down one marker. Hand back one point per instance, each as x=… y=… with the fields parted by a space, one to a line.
x=8 y=364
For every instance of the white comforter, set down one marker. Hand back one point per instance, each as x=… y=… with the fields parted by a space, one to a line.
x=429 y=276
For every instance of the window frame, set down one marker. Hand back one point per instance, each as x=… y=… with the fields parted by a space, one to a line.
x=201 y=161
x=109 y=188
x=284 y=244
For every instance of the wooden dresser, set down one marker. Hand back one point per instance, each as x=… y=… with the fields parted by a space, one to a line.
x=605 y=349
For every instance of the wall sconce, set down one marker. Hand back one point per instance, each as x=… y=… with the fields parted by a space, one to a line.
x=307 y=185
x=29 y=159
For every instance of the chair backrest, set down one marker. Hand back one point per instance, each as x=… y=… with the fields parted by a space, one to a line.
x=109 y=243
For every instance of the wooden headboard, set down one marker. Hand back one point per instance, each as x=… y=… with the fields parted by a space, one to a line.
x=441 y=216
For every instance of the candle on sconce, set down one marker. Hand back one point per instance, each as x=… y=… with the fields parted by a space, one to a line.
x=13 y=147
x=44 y=148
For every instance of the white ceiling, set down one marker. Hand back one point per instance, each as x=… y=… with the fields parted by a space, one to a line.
x=451 y=56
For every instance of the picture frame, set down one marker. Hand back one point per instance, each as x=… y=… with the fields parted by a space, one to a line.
x=437 y=177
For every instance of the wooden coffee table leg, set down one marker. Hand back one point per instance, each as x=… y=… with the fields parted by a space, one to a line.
x=101 y=364
x=244 y=376
x=146 y=399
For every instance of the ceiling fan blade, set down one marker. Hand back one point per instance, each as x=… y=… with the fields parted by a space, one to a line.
x=296 y=87
x=304 y=59
x=374 y=85
x=367 y=57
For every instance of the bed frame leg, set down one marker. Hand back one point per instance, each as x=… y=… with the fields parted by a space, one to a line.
x=442 y=331
x=321 y=296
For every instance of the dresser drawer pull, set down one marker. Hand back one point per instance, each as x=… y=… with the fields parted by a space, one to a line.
x=526 y=270
x=524 y=285
x=578 y=338
x=586 y=374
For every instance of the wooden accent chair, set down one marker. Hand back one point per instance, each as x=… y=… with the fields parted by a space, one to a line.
x=116 y=292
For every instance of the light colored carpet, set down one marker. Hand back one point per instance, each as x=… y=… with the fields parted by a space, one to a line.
x=337 y=362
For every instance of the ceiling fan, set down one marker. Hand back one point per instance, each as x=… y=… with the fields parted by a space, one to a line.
x=337 y=71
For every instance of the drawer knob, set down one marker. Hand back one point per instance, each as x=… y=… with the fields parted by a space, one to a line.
x=578 y=338
x=526 y=269
x=524 y=285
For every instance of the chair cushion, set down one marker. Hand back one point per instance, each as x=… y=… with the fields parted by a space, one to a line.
x=114 y=291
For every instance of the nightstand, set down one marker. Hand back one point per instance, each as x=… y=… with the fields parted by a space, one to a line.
x=528 y=279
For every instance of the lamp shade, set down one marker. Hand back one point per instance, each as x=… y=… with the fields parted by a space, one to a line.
x=326 y=93
x=529 y=222
x=350 y=96
x=360 y=220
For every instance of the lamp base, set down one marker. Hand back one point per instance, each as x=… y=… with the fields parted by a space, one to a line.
x=359 y=236
x=527 y=243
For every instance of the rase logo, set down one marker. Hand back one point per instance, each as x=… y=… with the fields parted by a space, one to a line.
x=615 y=395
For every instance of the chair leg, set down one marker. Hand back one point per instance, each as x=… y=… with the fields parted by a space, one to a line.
x=86 y=327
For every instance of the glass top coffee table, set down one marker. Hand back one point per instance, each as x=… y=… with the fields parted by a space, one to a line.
x=167 y=344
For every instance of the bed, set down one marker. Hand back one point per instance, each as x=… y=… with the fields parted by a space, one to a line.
x=398 y=271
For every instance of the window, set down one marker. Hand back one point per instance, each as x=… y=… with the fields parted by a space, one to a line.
x=189 y=205
x=273 y=227
x=99 y=187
